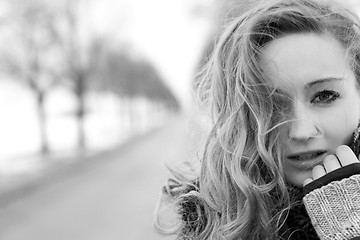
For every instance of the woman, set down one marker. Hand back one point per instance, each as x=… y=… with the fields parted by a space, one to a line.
x=282 y=85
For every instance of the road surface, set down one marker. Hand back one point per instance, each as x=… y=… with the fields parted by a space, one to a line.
x=108 y=199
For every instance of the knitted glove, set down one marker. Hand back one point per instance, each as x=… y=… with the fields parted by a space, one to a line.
x=334 y=209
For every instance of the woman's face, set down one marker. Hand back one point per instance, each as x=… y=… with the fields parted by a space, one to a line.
x=314 y=71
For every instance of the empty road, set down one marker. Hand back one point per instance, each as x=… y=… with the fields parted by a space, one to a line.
x=112 y=197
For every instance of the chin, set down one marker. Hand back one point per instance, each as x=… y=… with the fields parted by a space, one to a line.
x=297 y=179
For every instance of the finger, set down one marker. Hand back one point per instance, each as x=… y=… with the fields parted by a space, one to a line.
x=307 y=181
x=331 y=163
x=345 y=155
x=318 y=171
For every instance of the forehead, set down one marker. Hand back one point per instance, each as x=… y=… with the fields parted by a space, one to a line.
x=301 y=58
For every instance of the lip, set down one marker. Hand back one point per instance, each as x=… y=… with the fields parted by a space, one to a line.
x=306 y=160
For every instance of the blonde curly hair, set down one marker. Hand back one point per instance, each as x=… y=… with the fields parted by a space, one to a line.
x=241 y=191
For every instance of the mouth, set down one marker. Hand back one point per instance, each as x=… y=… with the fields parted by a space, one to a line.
x=307 y=159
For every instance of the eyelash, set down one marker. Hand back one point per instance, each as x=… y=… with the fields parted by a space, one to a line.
x=331 y=96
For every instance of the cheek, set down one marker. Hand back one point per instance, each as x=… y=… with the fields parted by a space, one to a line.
x=339 y=125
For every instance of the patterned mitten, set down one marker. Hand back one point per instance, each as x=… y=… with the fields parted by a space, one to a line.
x=334 y=208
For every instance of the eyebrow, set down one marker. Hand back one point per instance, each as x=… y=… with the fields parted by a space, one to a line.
x=321 y=81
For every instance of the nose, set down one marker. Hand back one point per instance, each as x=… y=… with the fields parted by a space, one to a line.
x=304 y=126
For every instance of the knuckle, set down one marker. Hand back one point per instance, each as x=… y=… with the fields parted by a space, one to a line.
x=330 y=159
x=345 y=155
x=307 y=181
x=318 y=171
x=317 y=167
x=343 y=149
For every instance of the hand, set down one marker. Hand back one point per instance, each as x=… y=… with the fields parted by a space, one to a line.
x=343 y=157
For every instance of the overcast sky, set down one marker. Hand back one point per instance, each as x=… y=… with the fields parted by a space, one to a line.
x=171 y=34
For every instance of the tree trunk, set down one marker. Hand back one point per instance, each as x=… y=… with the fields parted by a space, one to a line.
x=80 y=115
x=44 y=146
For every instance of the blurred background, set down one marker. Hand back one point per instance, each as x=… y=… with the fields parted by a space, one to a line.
x=96 y=101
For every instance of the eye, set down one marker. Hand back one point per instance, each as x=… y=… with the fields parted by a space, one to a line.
x=325 y=97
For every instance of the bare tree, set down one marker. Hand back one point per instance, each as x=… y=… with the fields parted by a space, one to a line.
x=82 y=55
x=32 y=56
x=131 y=78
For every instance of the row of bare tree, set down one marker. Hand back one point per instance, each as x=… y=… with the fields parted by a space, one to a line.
x=47 y=43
